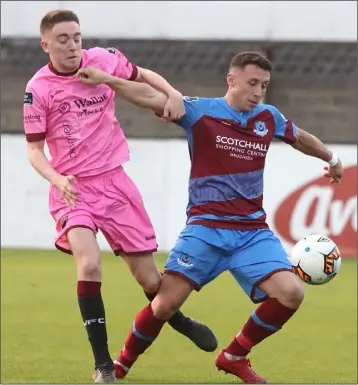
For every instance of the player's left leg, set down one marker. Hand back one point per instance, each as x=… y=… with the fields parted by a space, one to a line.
x=149 y=322
x=263 y=270
x=130 y=233
x=145 y=271
x=192 y=263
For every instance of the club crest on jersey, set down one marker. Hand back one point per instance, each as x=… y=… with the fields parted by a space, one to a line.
x=260 y=129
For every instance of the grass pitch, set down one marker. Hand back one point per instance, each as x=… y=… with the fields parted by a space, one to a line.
x=43 y=339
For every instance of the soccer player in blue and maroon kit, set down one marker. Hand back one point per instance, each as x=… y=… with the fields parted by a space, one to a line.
x=226 y=227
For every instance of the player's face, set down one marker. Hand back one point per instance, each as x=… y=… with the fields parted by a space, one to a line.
x=247 y=86
x=63 y=43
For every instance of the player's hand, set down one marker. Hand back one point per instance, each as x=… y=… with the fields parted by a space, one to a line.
x=64 y=185
x=335 y=173
x=91 y=76
x=174 y=108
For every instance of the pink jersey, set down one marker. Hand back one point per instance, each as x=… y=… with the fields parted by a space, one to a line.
x=78 y=121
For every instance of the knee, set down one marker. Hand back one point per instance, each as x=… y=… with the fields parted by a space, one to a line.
x=163 y=308
x=286 y=288
x=150 y=283
x=89 y=270
x=293 y=293
x=86 y=253
x=151 y=287
x=172 y=294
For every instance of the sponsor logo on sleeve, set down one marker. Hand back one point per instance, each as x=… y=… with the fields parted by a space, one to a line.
x=32 y=119
x=190 y=99
x=28 y=99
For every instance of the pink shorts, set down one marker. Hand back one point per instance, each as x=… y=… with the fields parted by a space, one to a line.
x=109 y=202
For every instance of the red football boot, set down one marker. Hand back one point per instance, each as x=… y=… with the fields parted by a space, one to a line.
x=239 y=368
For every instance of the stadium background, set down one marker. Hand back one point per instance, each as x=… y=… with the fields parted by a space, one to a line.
x=314 y=51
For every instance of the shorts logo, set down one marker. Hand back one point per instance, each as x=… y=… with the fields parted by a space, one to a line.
x=184 y=260
x=260 y=129
x=150 y=238
x=28 y=99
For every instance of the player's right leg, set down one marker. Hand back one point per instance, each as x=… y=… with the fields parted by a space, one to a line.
x=191 y=264
x=88 y=261
x=76 y=236
x=263 y=270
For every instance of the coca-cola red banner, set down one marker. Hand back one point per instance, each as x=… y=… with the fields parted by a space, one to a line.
x=320 y=207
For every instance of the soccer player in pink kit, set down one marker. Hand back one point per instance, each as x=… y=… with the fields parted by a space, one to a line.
x=228 y=139
x=89 y=188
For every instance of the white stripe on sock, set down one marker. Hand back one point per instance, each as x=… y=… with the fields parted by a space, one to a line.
x=230 y=357
x=120 y=364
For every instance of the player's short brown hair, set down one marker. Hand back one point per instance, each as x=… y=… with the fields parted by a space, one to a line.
x=58 y=16
x=243 y=59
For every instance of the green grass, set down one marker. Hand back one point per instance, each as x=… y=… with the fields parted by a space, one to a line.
x=43 y=339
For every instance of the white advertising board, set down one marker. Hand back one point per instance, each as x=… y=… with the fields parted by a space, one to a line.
x=207 y=20
x=297 y=200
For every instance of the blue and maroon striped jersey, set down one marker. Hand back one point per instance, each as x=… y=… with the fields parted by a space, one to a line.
x=228 y=150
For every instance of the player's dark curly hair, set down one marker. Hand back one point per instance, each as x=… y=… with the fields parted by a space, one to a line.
x=243 y=59
x=58 y=16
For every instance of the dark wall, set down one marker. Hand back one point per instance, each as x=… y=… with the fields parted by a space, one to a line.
x=313 y=84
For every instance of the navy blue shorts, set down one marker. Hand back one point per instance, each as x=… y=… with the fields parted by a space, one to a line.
x=202 y=253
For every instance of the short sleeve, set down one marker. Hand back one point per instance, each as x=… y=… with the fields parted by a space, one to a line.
x=192 y=112
x=35 y=116
x=285 y=130
x=123 y=67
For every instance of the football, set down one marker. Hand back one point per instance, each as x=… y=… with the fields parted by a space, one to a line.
x=316 y=259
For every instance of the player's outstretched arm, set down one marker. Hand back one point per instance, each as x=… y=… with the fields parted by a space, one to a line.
x=174 y=108
x=140 y=94
x=310 y=145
